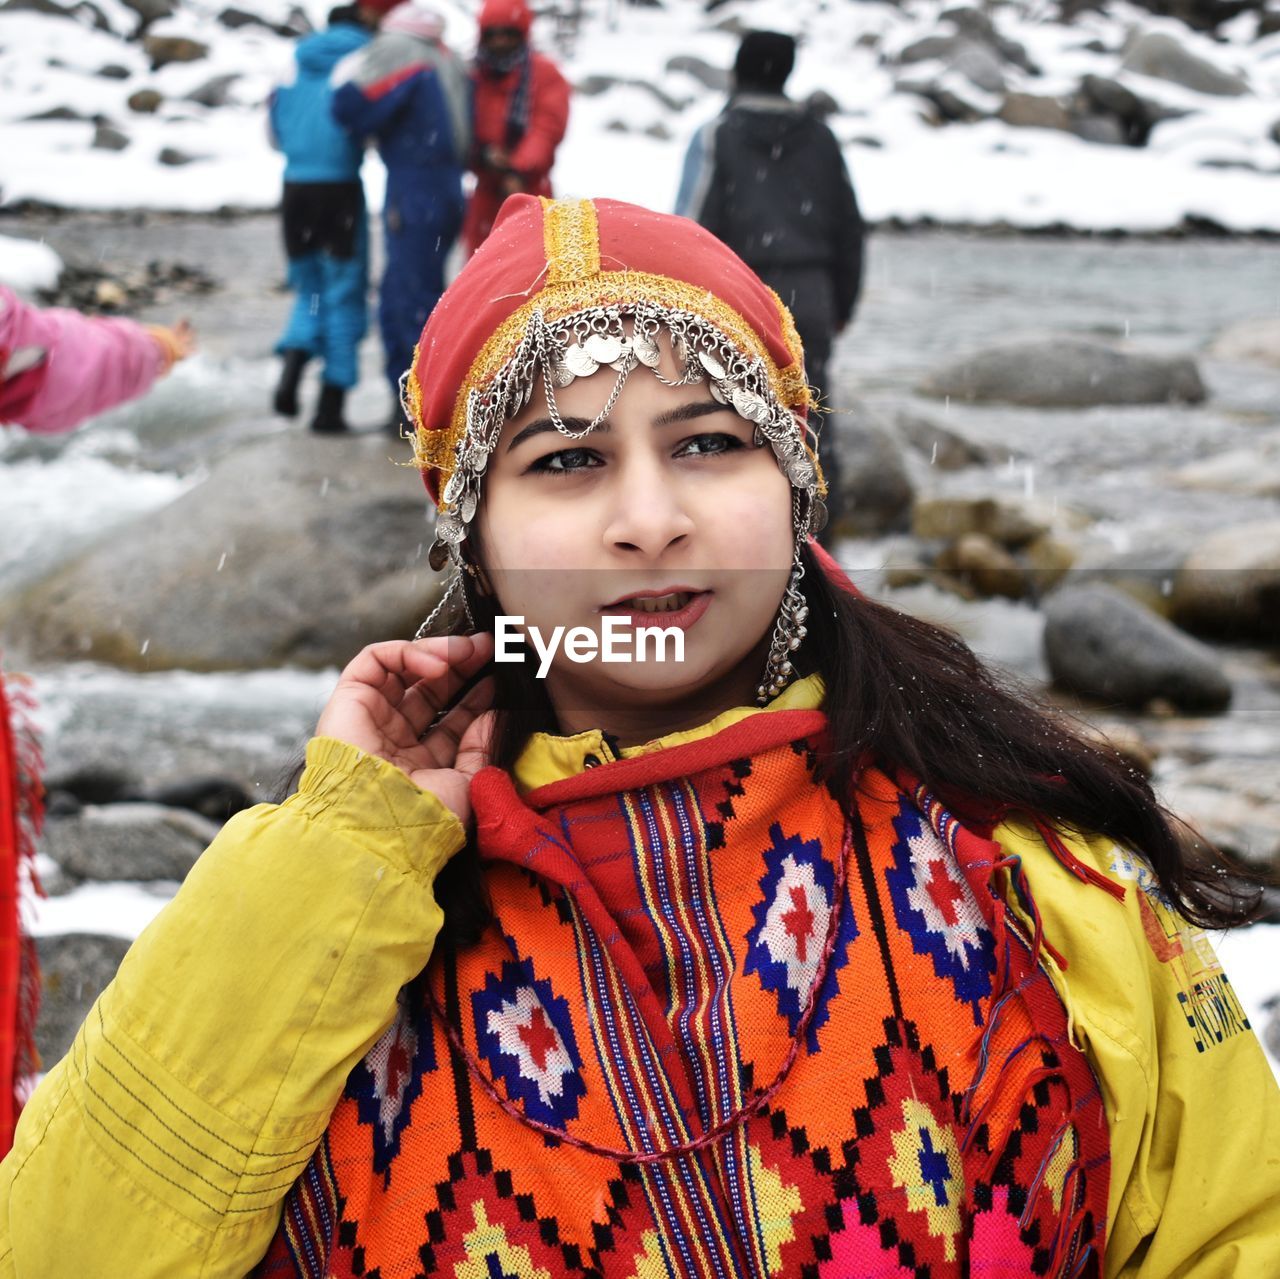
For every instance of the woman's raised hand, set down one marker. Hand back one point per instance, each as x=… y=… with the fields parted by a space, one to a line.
x=388 y=703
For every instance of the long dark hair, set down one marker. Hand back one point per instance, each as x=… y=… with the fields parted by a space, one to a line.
x=913 y=698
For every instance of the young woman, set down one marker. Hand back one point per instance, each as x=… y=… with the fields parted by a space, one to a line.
x=808 y=951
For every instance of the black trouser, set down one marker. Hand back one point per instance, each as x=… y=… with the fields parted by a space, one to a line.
x=322 y=217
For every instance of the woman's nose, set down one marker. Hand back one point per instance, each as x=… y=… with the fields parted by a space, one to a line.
x=650 y=511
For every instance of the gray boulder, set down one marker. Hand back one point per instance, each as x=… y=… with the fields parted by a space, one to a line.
x=705 y=73
x=128 y=841
x=1066 y=373
x=1158 y=54
x=108 y=138
x=1135 y=114
x=1102 y=129
x=942 y=447
x=295 y=551
x=297 y=23
x=1101 y=643
x=1230 y=583
x=1254 y=341
x=949 y=106
x=76 y=968
x=876 y=492
x=150 y=11
x=215 y=92
x=980 y=66
x=173 y=158
x=1030 y=111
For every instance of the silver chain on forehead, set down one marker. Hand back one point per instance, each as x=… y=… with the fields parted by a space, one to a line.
x=579 y=345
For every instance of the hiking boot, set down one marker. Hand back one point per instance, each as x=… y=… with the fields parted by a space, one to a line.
x=328 y=419
x=286 y=397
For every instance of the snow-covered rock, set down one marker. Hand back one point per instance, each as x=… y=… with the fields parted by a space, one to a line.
x=917 y=87
x=27 y=265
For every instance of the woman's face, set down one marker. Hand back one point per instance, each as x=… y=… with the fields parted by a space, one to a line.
x=666 y=515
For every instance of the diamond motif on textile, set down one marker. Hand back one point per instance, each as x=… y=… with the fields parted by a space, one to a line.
x=907 y=1176
x=778 y=1203
x=526 y=1034
x=386 y=1083
x=936 y=908
x=491 y=1256
x=784 y=948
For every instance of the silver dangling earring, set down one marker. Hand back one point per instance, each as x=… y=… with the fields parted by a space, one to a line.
x=788 y=634
x=455 y=587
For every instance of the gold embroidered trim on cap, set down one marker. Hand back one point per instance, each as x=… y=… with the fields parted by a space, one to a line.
x=436 y=449
x=570 y=239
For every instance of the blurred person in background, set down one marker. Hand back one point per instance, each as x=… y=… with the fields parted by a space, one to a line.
x=409 y=93
x=57 y=368
x=767 y=177
x=326 y=234
x=521 y=114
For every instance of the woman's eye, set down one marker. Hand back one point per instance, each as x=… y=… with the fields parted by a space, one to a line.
x=566 y=460
x=714 y=442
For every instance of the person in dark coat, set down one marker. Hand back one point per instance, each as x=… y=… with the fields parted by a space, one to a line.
x=325 y=229
x=410 y=93
x=768 y=178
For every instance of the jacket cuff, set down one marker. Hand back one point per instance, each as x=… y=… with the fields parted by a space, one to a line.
x=376 y=806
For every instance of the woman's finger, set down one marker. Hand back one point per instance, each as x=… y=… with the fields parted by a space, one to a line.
x=425 y=700
x=392 y=667
x=443 y=739
x=475 y=751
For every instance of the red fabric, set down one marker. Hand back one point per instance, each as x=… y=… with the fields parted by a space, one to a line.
x=509 y=270
x=20 y=813
x=506 y=13
x=534 y=154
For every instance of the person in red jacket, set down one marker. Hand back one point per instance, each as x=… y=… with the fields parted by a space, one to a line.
x=521 y=110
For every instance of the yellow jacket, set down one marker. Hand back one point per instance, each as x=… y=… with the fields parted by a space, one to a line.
x=166 y=1140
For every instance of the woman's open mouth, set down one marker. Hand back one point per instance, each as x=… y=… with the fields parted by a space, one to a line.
x=678 y=607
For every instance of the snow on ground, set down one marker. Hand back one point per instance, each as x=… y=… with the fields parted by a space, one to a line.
x=628 y=132
x=26 y=265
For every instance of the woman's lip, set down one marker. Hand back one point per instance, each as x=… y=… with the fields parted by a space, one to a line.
x=624 y=600
x=682 y=618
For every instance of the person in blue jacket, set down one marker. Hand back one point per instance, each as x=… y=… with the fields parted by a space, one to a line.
x=409 y=93
x=325 y=228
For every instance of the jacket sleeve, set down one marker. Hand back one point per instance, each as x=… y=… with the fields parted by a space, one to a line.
x=165 y=1141
x=848 y=237
x=90 y=364
x=535 y=153
x=371 y=110
x=695 y=175
x=1192 y=1105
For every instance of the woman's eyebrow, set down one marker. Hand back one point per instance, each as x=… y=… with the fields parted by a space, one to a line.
x=682 y=413
x=688 y=412
x=546 y=424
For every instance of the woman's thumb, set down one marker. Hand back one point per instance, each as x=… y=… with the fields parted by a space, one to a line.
x=475 y=750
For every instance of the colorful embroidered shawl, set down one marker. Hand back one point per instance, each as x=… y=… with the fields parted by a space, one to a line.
x=658 y=929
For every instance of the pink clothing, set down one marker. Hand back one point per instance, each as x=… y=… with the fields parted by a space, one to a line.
x=58 y=367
